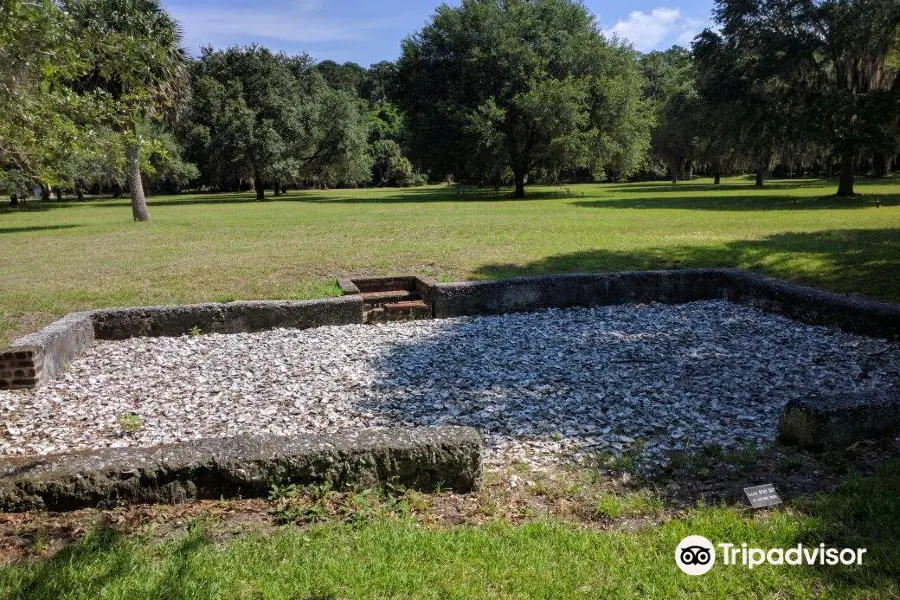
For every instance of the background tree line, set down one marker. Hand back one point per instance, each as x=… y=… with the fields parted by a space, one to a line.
x=490 y=92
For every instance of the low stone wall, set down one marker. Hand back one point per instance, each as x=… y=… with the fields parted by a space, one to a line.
x=40 y=357
x=234 y=317
x=814 y=306
x=43 y=355
x=422 y=459
x=566 y=291
x=838 y=420
x=804 y=304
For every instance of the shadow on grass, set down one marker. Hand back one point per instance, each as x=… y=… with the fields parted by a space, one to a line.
x=378 y=196
x=31 y=207
x=750 y=202
x=36 y=228
x=747 y=184
x=335 y=196
x=851 y=261
x=708 y=186
x=862 y=513
x=53 y=204
x=105 y=557
x=755 y=200
x=100 y=552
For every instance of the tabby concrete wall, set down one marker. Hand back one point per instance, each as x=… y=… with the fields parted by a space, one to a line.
x=801 y=303
x=566 y=291
x=835 y=421
x=813 y=306
x=43 y=355
x=234 y=317
x=40 y=357
x=417 y=458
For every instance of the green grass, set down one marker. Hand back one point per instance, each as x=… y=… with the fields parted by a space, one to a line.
x=58 y=258
x=63 y=257
x=396 y=558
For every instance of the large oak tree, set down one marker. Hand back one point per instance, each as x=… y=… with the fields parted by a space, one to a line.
x=837 y=62
x=523 y=84
x=272 y=119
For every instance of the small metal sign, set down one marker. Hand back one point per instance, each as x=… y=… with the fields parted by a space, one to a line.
x=762 y=496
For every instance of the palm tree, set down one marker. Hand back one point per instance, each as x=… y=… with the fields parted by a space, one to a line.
x=137 y=70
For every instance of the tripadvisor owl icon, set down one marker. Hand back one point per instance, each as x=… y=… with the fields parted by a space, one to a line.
x=695 y=555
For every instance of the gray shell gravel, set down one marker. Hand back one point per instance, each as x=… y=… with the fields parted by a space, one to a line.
x=542 y=387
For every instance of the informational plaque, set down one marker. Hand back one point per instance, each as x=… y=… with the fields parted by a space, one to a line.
x=762 y=496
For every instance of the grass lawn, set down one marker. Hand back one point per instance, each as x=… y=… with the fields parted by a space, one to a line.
x=62 y=257
x=395 y=557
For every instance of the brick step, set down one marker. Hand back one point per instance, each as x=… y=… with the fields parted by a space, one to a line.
x=407 y=310
x=376 y=299
x=407 y=305
x=387 y=295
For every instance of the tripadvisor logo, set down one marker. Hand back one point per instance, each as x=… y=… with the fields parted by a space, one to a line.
x=696 y=555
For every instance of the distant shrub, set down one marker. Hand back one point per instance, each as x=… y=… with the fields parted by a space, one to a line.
x=415 y=180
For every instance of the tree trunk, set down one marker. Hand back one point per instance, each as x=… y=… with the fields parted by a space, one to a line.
x=259 y=186
x=135 y=184
x=79 y=193
x=45 y=193
x=760 y=178
x=277 y=188
x=689 y=170
x=117 y=190
x=879 y=165
x=59 y=193
x=718 y=178
x=520 y=185
x=845 y=187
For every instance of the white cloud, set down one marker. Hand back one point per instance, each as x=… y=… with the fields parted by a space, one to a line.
x=298 y=22
x=648 y=31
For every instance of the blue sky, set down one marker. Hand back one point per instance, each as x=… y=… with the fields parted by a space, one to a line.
x=367 y=31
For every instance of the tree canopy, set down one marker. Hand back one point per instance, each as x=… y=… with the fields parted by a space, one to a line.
x=135 y=69
x=269 y=117
x=488 y=92
x=519 y=84
x=39 y=116
x=807 y=72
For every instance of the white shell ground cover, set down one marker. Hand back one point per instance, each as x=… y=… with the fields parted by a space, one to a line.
x=544 y=387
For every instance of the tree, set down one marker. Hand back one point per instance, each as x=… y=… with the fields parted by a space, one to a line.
x=380 y=86
x=524 y=84
x=39 y=117
x=349 y=77
x=759 y=111
x=837 y=57
x=271 y=119
x=390 y=167
x=136 y=67
x=99 y=161
x=671 y=92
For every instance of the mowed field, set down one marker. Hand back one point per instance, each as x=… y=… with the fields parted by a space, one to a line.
x=62 y=257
